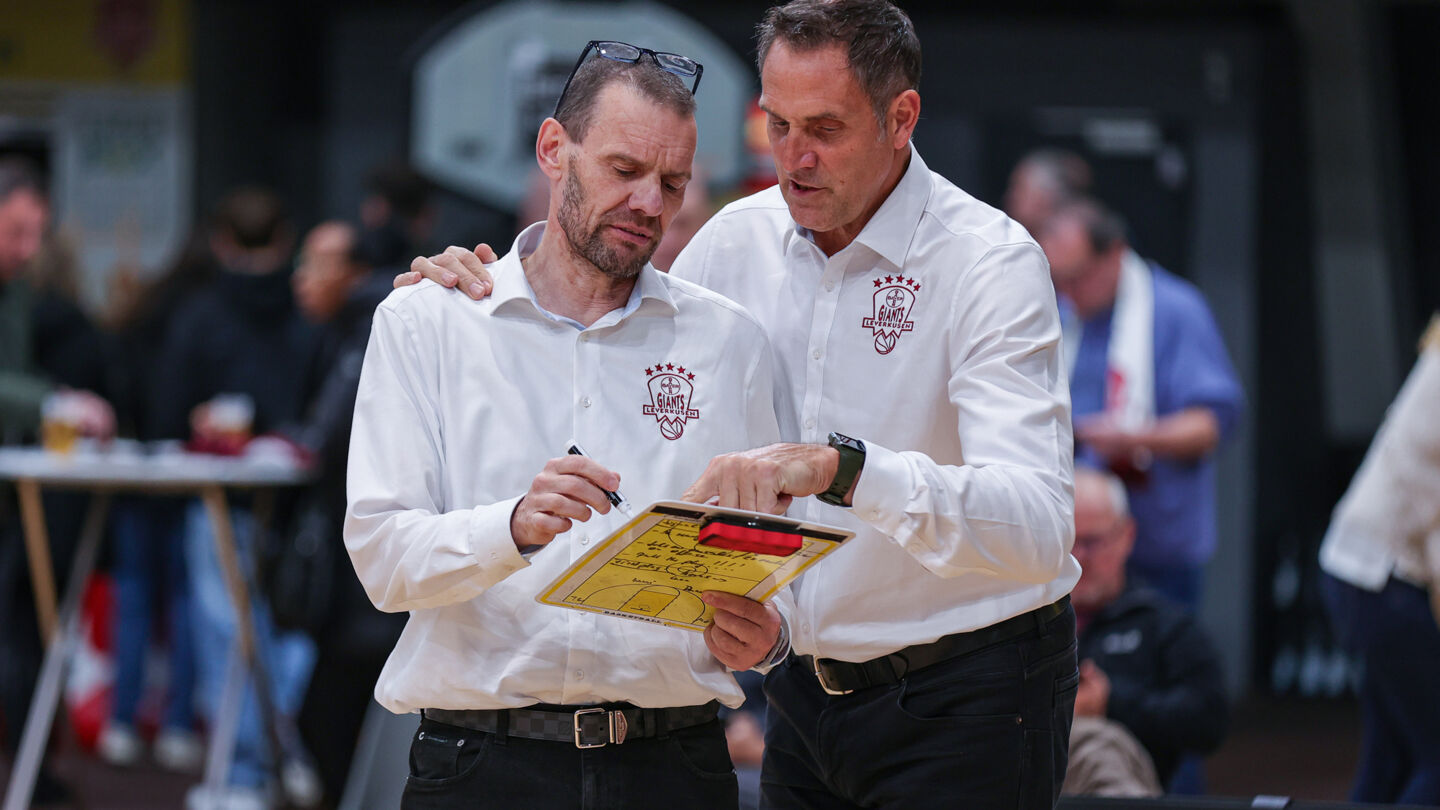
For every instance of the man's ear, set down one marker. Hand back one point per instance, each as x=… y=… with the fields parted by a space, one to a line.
x=549 y=148
x=903 y=116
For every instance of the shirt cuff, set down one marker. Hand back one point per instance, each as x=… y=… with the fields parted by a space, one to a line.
x=491 y=542
x=883 y=491
x=779 y=652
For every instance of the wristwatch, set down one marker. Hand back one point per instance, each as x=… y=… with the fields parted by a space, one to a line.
x=852 y=460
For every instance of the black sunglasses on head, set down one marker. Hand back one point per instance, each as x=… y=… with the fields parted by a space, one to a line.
x=682 y=66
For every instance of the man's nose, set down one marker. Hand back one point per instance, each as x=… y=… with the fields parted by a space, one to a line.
x=648 y=198
x=797 y=153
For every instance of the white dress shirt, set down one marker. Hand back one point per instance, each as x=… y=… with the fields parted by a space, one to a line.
x=934 y=338
x=461 y=405
x=1388 y=522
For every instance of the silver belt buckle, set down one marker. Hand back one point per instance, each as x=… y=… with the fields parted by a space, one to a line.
x=617 y=726
x=820 y=676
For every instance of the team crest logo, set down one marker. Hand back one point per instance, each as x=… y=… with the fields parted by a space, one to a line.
x=671 y=390
x=894 y=298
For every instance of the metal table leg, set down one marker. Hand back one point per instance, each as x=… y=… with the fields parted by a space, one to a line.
x=62 y=646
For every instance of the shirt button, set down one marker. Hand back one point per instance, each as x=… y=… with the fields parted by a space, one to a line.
x=584 y=538
x=817 y=354
x=579 y=674
x=584 y=337
x=805 y=628
x=829 y=286
x=585 y=401
x=809 y=423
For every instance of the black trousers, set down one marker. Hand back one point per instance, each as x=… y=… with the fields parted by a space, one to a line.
x=983 y=731
x=452 y=767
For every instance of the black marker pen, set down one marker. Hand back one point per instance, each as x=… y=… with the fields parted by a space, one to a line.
x=616 y=499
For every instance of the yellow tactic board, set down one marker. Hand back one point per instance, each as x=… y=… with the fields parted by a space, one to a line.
x=655 y=567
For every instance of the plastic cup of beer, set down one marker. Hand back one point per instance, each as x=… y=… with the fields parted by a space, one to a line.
x=60 y=420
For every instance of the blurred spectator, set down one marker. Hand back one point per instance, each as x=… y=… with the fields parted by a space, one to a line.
x=147 y=543
x=312 y=584
x=49 y=359
x=240 y=350
x=1381 y=559
x=1144 y=662
x=48 y=349
x=1151 y=386
x=1041 y=181
x=396 y=215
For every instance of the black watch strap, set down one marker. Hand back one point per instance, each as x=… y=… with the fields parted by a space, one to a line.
x=852 y=460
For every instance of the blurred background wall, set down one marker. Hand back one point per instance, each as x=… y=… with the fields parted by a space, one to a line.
x=1278 y=154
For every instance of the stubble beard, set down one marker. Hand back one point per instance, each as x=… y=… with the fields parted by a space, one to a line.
x=591 y=245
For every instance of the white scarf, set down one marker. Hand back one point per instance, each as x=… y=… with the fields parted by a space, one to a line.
x=1130 y=357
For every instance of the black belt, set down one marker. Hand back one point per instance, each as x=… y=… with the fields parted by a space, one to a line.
x=844 y=677
x=586 y=726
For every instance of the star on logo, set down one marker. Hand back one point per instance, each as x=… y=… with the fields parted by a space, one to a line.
x=691 y=375
x=889 y=279
x=669 y=366
x=680 y=370
x=649 y=371
x=877 y=282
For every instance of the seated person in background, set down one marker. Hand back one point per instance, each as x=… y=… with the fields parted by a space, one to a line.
x=1144 y=662
x=461 y=404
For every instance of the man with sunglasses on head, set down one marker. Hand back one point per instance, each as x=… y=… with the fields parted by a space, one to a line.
x=935 y=657
x=464 y=504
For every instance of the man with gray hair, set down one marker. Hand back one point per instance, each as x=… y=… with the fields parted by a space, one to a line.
x=527 y=705
x=1144 y=662
x=917 y=351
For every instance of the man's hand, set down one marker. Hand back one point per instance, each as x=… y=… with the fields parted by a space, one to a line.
x=1103 y=435
x=456 y=267
x=1092 y=696
x=744 y=631
x=766 y=479
x=95 y=417
x=564 y=492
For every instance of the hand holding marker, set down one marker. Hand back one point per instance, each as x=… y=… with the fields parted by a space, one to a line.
x=616 y=499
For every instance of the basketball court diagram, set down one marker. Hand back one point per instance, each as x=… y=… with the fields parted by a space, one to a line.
x=654 y=569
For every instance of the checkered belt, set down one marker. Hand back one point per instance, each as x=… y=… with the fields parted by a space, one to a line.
x=844 y=677
x=585 y=726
